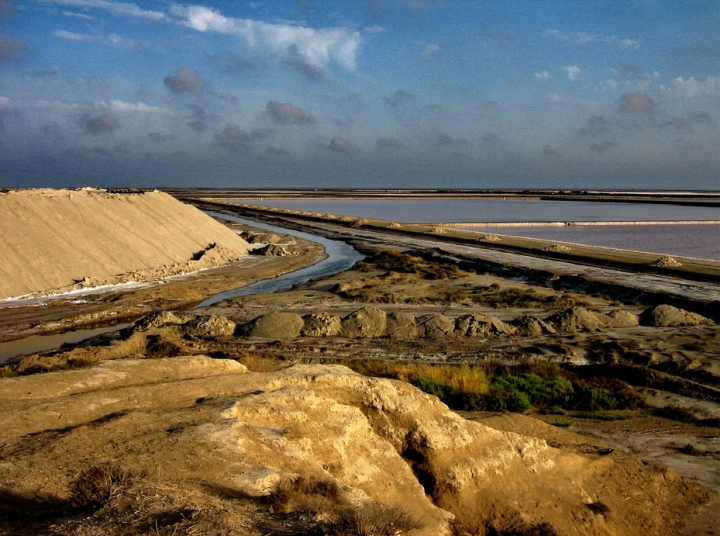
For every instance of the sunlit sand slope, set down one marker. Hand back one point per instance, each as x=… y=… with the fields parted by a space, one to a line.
x=54 y=238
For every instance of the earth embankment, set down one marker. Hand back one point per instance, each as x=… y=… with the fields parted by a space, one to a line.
x=56 y=239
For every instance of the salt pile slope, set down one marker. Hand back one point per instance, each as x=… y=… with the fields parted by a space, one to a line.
x=52 y=239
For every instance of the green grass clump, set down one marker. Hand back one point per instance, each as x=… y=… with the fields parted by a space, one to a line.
x=496 y=387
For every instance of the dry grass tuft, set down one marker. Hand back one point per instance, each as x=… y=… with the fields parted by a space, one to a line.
x=333 y=516
x=463 y=379
x=373 y=520
x=95 y=485
x=262 y=363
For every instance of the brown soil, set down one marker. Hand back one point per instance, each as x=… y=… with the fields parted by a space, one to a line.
x=199 y=435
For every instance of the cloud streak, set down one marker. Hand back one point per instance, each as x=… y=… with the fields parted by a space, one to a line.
x=584 y=38
x=572 y=71
x=293 y=44
x=689 y=87
x=307 y=49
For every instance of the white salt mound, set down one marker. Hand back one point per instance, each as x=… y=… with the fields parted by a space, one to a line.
x=51 y=239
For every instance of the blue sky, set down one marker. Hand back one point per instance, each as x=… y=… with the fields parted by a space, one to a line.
x=361 y=93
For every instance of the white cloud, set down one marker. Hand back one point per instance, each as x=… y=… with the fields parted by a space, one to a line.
x=4 y=102
x=625 y=43
x=112 y=40
x=375 y=29
x=430 y=49
x=120 y=106
x=310 y=49
x=572 y=71
x=543 y=75
x=78 y=15
x=56 y=105
x=116 y=8
x=583 y=38
x=689 y=87
x=62 y=34
x=315 y=48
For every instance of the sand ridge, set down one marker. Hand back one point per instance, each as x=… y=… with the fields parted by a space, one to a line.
x=55 y=238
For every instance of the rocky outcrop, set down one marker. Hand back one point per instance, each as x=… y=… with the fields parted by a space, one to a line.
x=664 y=316
x=213 y=432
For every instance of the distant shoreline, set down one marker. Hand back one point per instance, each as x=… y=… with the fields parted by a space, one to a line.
x=575 y=223
x=699 y=198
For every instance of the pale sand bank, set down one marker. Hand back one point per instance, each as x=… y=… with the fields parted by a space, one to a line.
x=54 y=239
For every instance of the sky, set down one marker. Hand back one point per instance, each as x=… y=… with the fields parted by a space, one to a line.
x=361 y=93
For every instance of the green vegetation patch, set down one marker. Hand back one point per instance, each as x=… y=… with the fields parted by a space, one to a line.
x=497 y=388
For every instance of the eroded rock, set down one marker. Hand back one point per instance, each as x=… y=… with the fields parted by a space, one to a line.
x=210 y=425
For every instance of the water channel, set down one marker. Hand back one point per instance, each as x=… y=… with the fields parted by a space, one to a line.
x=340 y=256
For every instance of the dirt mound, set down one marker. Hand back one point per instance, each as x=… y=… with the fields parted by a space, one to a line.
x=664 y=316
x=210 y=326
x=274 y=326
x=222 y=443
x=401 y=326
x=59 y=240
x=261 y=238
x=665 y=262
x=434 y=326
x=480 y=325
x=321 y=325
x=529 y=326
x=577 y=319
x=557 y=247
x=367 y=322
x=271 y=250
x=622 y=319
x=489 y=238
x=157 y=319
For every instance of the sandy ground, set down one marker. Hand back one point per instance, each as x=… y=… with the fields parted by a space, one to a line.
x=673 y=365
